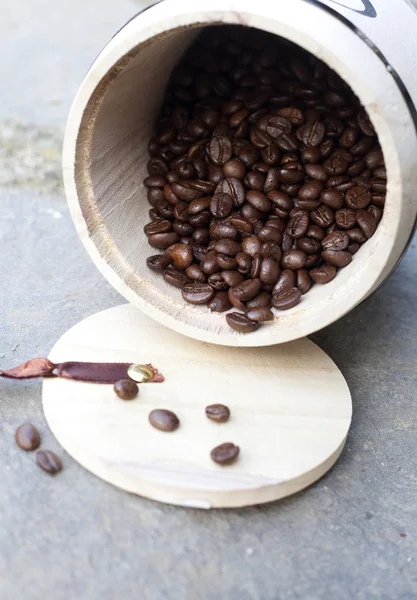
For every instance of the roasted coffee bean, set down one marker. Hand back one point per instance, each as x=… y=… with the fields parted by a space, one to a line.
x=222 y=230
x=200 y=220
x=126 y=389
x=234 y=188
x=194 y=273
x=338 y=240
x=291 y=172
x=315 y=232
x=219 y=413
x=310 y=190
x=226 y=262
x=316 y=172
x=48 y=461
x=209 y=264
x=201 y=235
x=175 y=278
x=197 y=206
x=366 y=222
x=27 y=437
x=298 y=225
x=286 y=298
x=303 y=280
x=220 y=150
x=247 y=289
x=185 y=192
x=221 y=205
x=251 y=245
x=183 y=229
x=375 y=212
x=158 y=262
x=234 y=168
x=244 y=262
x=240 y=323
x=311 y=134
x=269 y=271
x=164 y=420
x=323 y=274
x=358 y=197
x=337 y=258
x=181 y=256
x=228 y=247
x=259 y=201
x=262 y=314
x=271 y=249
x=220 y=302
x=308 y=245
x=242 y=225
x=163 y=240
x=311 y=154
x=217 y=282
x=332 y=198
x=353 y=248
x=197 y=293
x=232 y=278
x=322 y=216
x=286 y=281
x=225 y=454
x=270 y=234
x=180 y=212
x=263 y=299
x=293 y=259
x=256 y=266
x=215 y=174
x=356 y=235
x=255 y=180
x=345 y=218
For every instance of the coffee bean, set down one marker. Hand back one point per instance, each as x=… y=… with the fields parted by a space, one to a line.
x=298 y=225
x=337 y=258
x=27 y=437
x=366 y=222
x=316 y=172
x=219 y=413
x=251 y=245
x=358 y=197
x=164 y=420
x=293 y=259
x=263 y=299
x=269 y=271
x=159 y=226
x=197 y=293
x=303 y=280
x=181 y=256
x=323 y=274
x=322 y=216
x=241 y=323
x=221 y=205
x=256 y=266
x=261 y=314
x=259 y=201
x=220 y=302
x=158 y=262
x=311 y=134
x=228 y=247
x=346 y=218
x=163 y=240
x=310 y=190
x=286 y=298
x=48 y=461
x=356 y=235
x=247 y=289
x=175 y=278
x=226 y=262
x=232 y=278
x=332 y=198
x=338 y=240
x=242 y=225
x=234 y=168
x=198 y=206
x=126 y=389
x=220 y=150
x=225 y=454
x=234 y=188
x=185 y=192
x=194 y=273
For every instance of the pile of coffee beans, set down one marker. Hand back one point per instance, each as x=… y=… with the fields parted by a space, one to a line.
x=265 y=176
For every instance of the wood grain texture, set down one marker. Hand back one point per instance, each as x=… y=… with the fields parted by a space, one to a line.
x=290 y=414
x=105 y=155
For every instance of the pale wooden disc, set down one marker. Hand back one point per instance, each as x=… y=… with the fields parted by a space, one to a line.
x=290 y=413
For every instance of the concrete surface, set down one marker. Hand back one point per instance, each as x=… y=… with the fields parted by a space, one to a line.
x=351 y=536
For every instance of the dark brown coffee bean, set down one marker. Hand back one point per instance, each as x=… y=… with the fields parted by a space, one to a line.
x=286 y=281
x=163 y=240
x=197 y=293
x=323 y=274
x=310 y=190
x=215 y=174
x=356 y=235
x=358 y=197
x=27 y=437
x=180 y=212
x=234 y=168
x=346 y=218
x=126 y=389
x=220 y=150
x=256 y=266
x=337 y=258
x=322 y=216
x=226 y=262
x=338 y=240
x=244 y=262
x=271 y=249
x=225 y=454
x=251 y=245
x=201 y=235
x=222 y=230
x=286 y=298
x=197 y=206
x=155 y=181
x=181 y=256
x=158 y=262
x=298 y=225
x=353 y=248
x=308 y=245
x=228 y=247
x=303 y=281
x=255 y=180
x=232 y=278
x=293 y=259
x=219 y=413
x=247 y=289
x=311 y=154
x=217 y=282
x=332 y=198
x=291 y=172
x=375 y=212
x=221 y=205
x=234 y=188
x=311 y=134
x=362 y=146
x=48 y=461
x=209 y=264
x=261 y=314
x=194 y=273
x=164 y=420
x=241 y=323
x=185 y=192
x=242 y=225
x=365 y=124
x=259 y=201
x=160 y=226
x=269 y=271
x=175 y=278
x=220 y=302
x=366 y=222
x=315 y=232
x=263 y=299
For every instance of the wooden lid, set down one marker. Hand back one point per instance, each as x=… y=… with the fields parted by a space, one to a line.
x=290 y=413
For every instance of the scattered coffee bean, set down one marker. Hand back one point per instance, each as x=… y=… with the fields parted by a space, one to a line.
x=126 y=389
x=218 y=413
x=225 y=454
x=164 y=420
x=48 y=461
x=27 y=437
x=265 y=176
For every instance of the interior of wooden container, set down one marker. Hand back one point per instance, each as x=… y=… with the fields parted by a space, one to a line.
x=120 y=121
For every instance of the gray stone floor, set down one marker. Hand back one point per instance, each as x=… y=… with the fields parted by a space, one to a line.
x=351 y=536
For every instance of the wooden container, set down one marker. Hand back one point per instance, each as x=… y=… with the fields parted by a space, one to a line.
x=111 y=121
